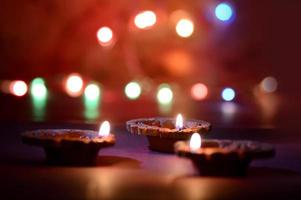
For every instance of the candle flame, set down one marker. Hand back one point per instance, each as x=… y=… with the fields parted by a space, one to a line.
x=179 y=122
x=104 y=129
x=195 y=142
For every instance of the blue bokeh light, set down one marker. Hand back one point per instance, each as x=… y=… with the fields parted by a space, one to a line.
x=223 y=11
x=228 y=94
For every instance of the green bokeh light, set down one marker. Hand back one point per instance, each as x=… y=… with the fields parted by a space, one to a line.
x=39 y=96
x=38 y=88
x=92 y=92
x=92 y=101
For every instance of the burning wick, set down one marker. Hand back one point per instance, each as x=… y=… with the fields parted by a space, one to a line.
x=195 y=142
x=179 y=122
x=104 y=129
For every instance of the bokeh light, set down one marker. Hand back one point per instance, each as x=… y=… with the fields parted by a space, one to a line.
x=38 y=88
x=92 y=100
x=38 y=92
x=92 y=91
x=269 y=84
x=223 y=12
x=132 y=90
x=145 y=19
x=199 y=91
x=228 y=94
x=18 y=88
x=165 y=94
x=184 y=28
x=178 y=62
x=74 y=85
x=105 y=36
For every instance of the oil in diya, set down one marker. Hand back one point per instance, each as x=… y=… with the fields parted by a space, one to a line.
x=162 y=132
x=222 y=157
x=71 y=146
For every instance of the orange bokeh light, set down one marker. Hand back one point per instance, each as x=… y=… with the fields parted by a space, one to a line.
x=18 y=88
x=178 y=62
x=74 y=85
x=199 y=91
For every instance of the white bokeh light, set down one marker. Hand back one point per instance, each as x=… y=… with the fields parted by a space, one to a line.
x=74 y=85
x=145 y=19
x=132 y=90
x=18 y=88
x=184 y=28
x=164 y=95
x=105 y=36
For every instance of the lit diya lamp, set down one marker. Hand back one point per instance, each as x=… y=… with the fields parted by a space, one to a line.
x=69 y=146
x=162 y=133
x=222 y=157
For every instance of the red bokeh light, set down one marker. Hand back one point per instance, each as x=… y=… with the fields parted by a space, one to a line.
x=18 y=88
x=199 y=91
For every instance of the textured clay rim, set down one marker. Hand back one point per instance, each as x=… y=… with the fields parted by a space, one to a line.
x=251 y=149
x=50 y=137
x=143 y=126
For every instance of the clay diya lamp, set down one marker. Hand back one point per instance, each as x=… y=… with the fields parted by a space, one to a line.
x=70 y=146
x=162 y=133
x=222 y=157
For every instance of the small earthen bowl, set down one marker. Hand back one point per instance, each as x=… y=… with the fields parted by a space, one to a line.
x=162 y=133
x=224 y=157
x=69 y=146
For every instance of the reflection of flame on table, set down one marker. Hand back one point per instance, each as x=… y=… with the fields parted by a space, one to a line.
x=229 y=109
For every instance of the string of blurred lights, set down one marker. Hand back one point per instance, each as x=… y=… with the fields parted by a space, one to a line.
x=74 y=86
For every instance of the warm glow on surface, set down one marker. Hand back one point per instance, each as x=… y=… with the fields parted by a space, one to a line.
x=165 y=94
x=92 y=91
x=105 y=36
x=18 y=88
x=104 y=129
x=228 y=94
x=185 y=28
x=74 y=85
x=145 y=19
x=179 y=122
x=269 y=84
x=132 y=90
x=38 y=88
x=223 y=12
x=195 y=142
x=199 y=91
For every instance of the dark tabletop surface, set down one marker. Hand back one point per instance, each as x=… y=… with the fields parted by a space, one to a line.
x=129 y=170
